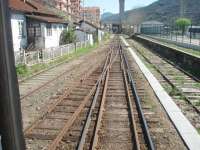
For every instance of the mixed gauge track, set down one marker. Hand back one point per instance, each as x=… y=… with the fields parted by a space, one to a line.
x=103 y=111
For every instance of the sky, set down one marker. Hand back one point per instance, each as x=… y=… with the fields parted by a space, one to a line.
x=113 y=6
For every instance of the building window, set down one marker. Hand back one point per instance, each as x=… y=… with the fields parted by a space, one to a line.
x=60 y=27
x=54 y=27
x=49 y=30
x=34 y=30
x=21 y=28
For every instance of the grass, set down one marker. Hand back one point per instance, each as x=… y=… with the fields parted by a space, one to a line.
x=24 y=71
x=197 y=85
x=197 y=103
x=198 y=130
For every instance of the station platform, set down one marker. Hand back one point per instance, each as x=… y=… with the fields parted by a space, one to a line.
x=187 y=132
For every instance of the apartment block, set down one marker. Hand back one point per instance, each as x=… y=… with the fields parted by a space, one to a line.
x=75 y=7
x=91 y=14
x=64 y=5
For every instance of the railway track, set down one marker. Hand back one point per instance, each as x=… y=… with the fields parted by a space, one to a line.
x=88 y=116
x=183 y=87
x=44 y=78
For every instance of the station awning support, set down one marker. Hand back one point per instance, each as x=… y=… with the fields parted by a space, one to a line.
x=10 y=110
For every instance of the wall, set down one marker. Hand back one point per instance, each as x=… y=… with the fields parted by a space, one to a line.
x=18 y=41
x=100 y=35
x=185 y=61
x=80 y=37
x=54 y=39
x=88 y=27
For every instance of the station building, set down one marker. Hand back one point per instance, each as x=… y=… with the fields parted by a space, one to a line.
x=151 y=27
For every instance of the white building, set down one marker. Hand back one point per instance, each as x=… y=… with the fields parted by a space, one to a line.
x=33 y=26
x=91 y=28
x=19 y=33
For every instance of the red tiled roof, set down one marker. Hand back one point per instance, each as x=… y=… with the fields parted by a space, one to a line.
x=29 y=6
x=36 y=9
x=19 y=5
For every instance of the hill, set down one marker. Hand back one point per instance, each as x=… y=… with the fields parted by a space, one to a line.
x=162 y=10
x=106 y=15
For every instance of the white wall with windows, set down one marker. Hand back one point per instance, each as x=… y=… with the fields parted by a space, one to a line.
x=19 y=33
x=52 y=34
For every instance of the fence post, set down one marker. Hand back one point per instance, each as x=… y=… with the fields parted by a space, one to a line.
x=38 y=56
x=61 y=51
x=52 y=53
x=68 y=49
x=24 y=56
x=42 y=55
x=81 y=44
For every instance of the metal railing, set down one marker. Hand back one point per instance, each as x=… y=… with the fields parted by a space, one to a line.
x=47 y=55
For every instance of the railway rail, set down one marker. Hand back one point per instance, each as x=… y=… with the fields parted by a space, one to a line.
x=87 y=117
x=44 y=78
x=183 y=87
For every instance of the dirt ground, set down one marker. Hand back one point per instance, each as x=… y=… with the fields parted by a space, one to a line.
x=34 y=106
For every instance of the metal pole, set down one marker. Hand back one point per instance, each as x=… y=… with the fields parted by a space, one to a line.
x=10 y=109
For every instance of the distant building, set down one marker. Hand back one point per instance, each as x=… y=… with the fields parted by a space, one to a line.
x=64 y=5
x=194 y=31
x=91 y=14
x=82 y=35
x=152 y=27
x=91 y=28
x=75 y=7
x=33 y=26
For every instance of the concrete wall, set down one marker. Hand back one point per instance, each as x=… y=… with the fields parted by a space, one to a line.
x=187 y=62
x=54 y=39
x=81 y=36
x=88 y=27
x=18 y=41
x=100 y=35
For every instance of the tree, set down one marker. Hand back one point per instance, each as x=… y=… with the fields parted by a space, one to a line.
x=67 y=36
x=182 y=23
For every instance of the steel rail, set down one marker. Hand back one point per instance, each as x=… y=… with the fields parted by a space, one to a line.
x=43 y=85
x=171 y=83
x=145 y=128
x=99 y=119
x=46 y=83
x=89 y=115
x=67 y=92
x=53 y=145
x=88 y=121
x=130 y=105
x=51 y=108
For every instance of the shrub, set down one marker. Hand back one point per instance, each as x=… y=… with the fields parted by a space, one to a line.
x=22 y=69
x=67 y=36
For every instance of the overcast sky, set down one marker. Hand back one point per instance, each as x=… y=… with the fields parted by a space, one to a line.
x=113 y=5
